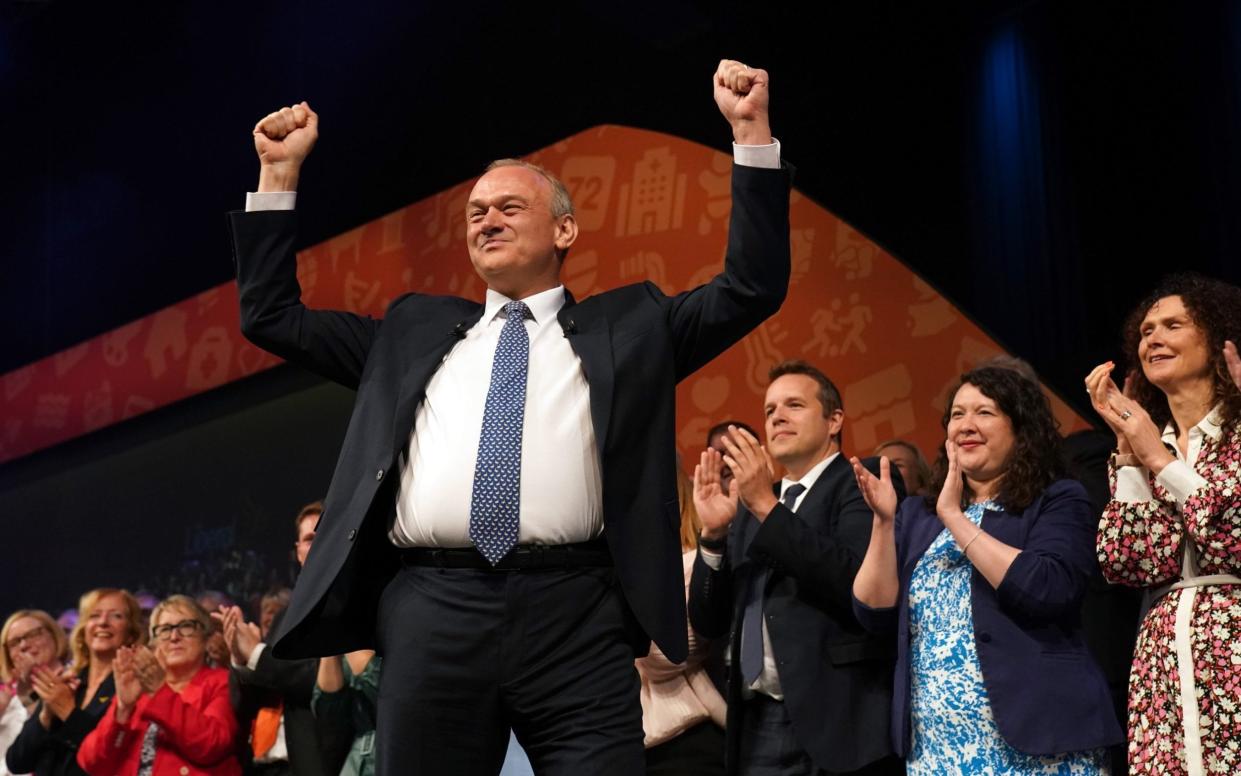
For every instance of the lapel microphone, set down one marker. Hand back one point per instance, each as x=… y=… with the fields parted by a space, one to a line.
x=570 y=327
x=460 y=329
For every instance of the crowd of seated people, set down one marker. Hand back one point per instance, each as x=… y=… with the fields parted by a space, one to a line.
x=846 y=615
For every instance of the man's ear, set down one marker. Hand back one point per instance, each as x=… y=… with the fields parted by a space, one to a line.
x=836 y=421
x=566 y=232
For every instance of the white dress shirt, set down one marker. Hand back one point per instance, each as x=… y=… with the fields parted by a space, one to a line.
x=561 y=497
x=768 y=682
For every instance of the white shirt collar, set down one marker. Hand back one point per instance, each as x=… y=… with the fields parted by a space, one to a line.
x=810 y=477
x=543 y=305
x=1211 y=426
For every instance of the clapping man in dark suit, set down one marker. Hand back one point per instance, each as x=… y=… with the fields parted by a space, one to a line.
x=272 y=696
x=809 y=691
x=502 y=522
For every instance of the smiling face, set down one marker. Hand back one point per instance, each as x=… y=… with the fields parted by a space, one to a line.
x=798 y=434
x=180 y=652
x=514 y=240
x=107 y=625
x=1173 y=350
x=983 y=435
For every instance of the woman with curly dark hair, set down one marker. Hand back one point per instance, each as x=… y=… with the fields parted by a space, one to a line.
x=982 y=580
x=1174 y=522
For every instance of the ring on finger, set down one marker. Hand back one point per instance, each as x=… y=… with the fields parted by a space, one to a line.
x=1126 y=415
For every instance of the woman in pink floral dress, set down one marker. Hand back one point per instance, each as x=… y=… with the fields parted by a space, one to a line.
x=1174 y=524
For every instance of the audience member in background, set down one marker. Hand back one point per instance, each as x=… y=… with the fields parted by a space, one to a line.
x=217 y=647
x=809 y=690
x=68 y=620
x=1174 y=523
x=983 y=580
x=715 y=441
x=273 y=696
x=910 y=462
x=73 y=701
x=344 y=701
x=147 y=601
x=171 y=714
x=270 y=605
x=683 y=714
x=29 y=638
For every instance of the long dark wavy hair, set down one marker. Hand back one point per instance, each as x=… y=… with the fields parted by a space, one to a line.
x=1215 y=307
x=1034 y=462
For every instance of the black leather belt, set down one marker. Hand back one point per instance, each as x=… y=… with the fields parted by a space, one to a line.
x=593 y=553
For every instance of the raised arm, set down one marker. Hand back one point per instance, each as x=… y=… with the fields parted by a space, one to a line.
x=710 y=318
x=333 y=344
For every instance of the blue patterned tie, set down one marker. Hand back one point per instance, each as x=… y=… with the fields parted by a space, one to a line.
x=495 y=508
x=752 y=618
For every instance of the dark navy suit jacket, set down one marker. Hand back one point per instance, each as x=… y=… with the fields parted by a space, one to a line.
x=635 y=343
x=1047 y=693
x=835 y=676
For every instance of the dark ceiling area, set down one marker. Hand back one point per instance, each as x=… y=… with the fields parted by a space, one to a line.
x=126 y=137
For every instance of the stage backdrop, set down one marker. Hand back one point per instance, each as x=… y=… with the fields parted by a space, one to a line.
x=651 y=207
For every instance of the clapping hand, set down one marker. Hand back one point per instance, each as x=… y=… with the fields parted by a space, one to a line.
x=716 y=507
x=148 y=669
x=1135 y=432
x=1233 y=360
x=949 y=502
x=57 y=690
x=241 y=637
x=753 y=471
x=878 y=491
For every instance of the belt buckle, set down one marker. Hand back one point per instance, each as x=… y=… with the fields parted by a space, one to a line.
x=538 y=556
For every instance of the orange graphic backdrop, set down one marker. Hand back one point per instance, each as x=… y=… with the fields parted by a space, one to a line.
x=650 y=206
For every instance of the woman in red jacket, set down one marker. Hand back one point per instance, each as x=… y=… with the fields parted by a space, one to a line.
x=172 y=713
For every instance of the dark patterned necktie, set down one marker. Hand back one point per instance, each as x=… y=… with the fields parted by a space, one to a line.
x=496 y=501
x=752 y=618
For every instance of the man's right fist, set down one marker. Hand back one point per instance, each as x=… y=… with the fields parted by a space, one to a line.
x=283 y=140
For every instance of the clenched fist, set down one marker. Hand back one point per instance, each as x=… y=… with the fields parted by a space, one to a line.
x=741 y=92
x=283 y=140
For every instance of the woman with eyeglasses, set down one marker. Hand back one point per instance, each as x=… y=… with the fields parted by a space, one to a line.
x=171 y=714
x=30 y=639
x=72 y=701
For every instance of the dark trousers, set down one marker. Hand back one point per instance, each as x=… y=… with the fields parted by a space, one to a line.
x=698 y=751
x=768 y=747
x=469 y=654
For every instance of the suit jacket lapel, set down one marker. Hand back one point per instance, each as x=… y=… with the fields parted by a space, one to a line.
x=418 y=373
x=591 y=339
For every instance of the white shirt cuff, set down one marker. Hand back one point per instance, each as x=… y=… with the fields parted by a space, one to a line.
x=767 y=156
x=1180 y=481
x=713 y=559
x=255 y=654
x=1132 y=486
x=270 y=200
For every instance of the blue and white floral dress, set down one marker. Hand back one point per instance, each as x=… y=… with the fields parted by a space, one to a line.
x=953 y=729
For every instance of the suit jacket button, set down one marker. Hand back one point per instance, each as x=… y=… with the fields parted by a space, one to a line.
x=984 y=637
x=353 y=532
x=379 y=475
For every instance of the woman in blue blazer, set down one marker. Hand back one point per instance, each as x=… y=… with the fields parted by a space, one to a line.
x=982 y=581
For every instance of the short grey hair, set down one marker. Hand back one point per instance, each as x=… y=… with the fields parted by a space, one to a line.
x=561 y=204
